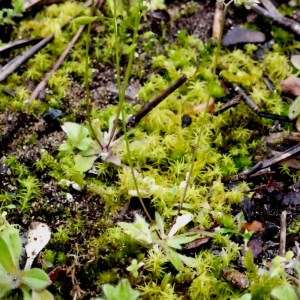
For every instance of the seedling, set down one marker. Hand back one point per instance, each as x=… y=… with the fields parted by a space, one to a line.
x=122 y=291
x=134 y=267
x=90 y=149
x=153 y=236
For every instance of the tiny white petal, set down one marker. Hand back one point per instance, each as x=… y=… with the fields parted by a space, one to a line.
x=69 y=197
x=76 y=186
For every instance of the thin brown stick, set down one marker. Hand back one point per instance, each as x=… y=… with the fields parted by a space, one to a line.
x=256 y=109
x=134 y=120
x=246 y=98
x=289 y=24
x=270 y=7
x=43 y=3
x=231 y=103
x=30 y=3
x=269 y=84
x=219 y=7
x=24 y=57
x=18 y=44
x=288 y=153
x=148 y=107
x=245 y=174
x=56 y=65
x=10 y=67
x=282 y=242
x=261 y=172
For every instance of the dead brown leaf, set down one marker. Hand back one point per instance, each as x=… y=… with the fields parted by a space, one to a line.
x=255 y=226
x=201 y=107
x=198 y=242
x=291 y=85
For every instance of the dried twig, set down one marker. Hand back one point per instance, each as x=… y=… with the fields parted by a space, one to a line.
x=231 y=103
x=262 y=165
x=245 y=174
x=57 y=64
x=289 y=24
x=19 y=60
x=269 y=84
x=282 y=242
x=18 y=44
x=217 y=20
x=30 y=3
x=10 y=67
x=293 y=150
x=270 y=7
x=134 y=120
x=246 y=98
x=256 y=109
x=275 y=117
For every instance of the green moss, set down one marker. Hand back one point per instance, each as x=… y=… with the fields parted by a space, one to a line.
x=260 y=285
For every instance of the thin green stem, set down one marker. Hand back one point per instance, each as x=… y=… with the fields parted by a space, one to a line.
x=86 y=77
x=203 y=122
x=122 y=90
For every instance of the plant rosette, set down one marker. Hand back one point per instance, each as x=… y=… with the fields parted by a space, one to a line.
x=90 y=149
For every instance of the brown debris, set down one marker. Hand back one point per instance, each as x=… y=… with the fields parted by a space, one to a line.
x=217 y=20
x=282 y=234
x=291 y=85
x=198 y=242
x=255 y=248
x=255 y=226
x=201 y=107
x=272 y=13
x=235 y=278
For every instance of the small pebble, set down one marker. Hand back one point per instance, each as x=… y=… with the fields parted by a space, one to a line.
x=186 y=121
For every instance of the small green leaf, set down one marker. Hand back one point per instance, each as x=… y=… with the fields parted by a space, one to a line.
x=226 y=230
x=129 y=49
x=174 y=244
x=148 y=35
x=174 y=259
x=160 y=224
x=189 y=261
x=83 y=164
x=84 y=144
x=42 y=295
x=6 y=260
x=26 y=292
x=12 y=239
x=75 y=132
x=294 y=110
x=35 y=278
x=122 y=291
x=4 y=290
x=10 y=206
x=284 y=292
x=178 y=240
x=144 y=8
x=84 y=20
x=65 y=147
